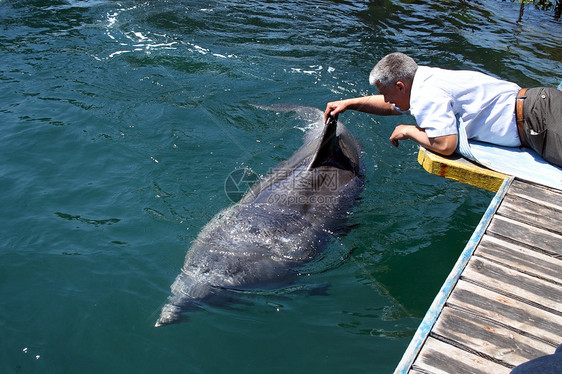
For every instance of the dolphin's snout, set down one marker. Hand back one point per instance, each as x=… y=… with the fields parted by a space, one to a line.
x=170 y=314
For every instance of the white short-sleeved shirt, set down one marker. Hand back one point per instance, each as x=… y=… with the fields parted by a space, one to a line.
x=486 y=105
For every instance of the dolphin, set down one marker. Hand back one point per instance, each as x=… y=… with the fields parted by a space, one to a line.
x=284 y=221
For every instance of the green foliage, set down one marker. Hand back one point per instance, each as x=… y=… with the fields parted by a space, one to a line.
x=540 y=4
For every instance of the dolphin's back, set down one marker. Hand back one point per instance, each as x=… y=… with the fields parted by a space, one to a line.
x=283 y=221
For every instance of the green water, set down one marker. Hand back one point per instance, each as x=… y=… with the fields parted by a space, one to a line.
x=121 y=121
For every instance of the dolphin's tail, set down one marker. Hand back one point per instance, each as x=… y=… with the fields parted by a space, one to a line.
x=170 y=314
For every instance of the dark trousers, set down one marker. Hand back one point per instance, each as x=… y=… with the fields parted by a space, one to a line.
x=542 y=110
x=550 y=364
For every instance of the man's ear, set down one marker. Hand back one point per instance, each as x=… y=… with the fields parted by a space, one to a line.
x=401 y=86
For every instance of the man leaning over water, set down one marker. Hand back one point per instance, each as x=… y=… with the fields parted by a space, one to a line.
x=488 y=109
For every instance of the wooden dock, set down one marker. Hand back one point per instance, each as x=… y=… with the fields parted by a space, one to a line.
x=502 y=303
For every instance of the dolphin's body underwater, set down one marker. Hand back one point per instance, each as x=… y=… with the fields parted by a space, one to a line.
x=283 y=221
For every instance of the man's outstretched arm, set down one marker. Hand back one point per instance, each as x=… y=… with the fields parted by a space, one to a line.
x=374 y=104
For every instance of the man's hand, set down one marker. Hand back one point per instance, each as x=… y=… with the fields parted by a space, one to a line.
x=400 y=133
x=334 y=108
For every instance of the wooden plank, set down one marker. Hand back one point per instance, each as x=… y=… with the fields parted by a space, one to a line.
x=525 y=260
x=440 y=358
x=488 y=339
x=533 y=237
x=508 y=312
x=531 y=213
x=542 y=195
x=460 y=169
x=514 y=284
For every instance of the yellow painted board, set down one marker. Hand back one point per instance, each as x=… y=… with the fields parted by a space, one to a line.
x=458 y=168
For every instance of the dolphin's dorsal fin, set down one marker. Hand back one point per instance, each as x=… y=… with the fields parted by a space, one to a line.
x=328 y=151
x=328 y=144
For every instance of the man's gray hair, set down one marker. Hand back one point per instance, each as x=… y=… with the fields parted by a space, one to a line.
x=393 y=68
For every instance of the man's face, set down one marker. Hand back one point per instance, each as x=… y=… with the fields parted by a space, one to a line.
x=397 y=95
